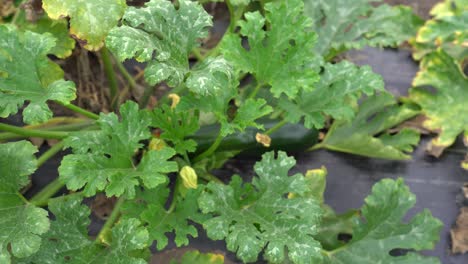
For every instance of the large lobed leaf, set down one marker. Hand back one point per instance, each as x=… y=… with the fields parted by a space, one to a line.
x=446 y=109
x=26 y=74
x=280 y=55
x=256 y=217
x=380 y=230
x=149 y=206
x=338 y=90
x=164 y=36
x=67 y=240
x=366 y=135
x=21 y=223
x=342 y=24
x=446 y=30
x=64 y=44
x=103 y=160
x=90 y=20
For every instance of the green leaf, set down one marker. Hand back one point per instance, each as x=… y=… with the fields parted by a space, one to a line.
x=67 y=240
x=58 y=28
x=26 y=74
x=342 y=25
x=90 y=20
x=446 y=109
x=103 y=160
x=164 y=36
x=149 y=206
x=381 y=230
x=446 y=30
x=250 y=111
x=21 y=223
x=338 y=90
x=258 y=216
x=195 y=257
x=279 y=56
x=332 y=225
x=176 y=126
x=363 y=135
x=210 y=76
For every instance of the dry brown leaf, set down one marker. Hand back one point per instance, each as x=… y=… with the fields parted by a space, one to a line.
x=102 y=206
x=459 y=233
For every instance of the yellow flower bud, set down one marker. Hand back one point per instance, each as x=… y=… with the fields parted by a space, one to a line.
x=175 y=100
x=156 y=144
x=263 y=139
x=189 y=177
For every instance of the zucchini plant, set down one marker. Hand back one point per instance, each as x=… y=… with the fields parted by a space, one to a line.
x=271 y=83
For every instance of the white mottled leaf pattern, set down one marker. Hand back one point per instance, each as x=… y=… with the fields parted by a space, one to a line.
x=90 y=20
x=258 y=216
x=164 y=36
x=26 y=74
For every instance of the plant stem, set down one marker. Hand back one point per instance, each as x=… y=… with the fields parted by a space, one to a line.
x=79 y=110
x=50 y=153
x=174 y=196
x=131 y=81
x=211 y=149
x=196 y=52
x=104 y=235
x=111 y=78
x=146 y=96
x=33 y=133
x=316 y=146
x=42 y=197
x=210 y=177
x=233 y=17
x=255 y=90
x=68 y=127
x=276 y=127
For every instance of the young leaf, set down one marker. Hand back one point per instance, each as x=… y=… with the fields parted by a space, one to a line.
x=90 y=20
x=338 y=90
x=381 y=230
x=21 y=223
x=447 y=30
x=176 y=126
x=64 y=44
x=103 y=160
x=258 y=216
x=279 y=56
x=446 y=109
x=26 y=74
x=342 y=25
x=250 y=111
x=149 y=206
x=195 y=257
x=164 y=36
x=361 y=136
x=67 y=240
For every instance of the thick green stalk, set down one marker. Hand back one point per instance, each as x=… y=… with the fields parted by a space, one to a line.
x=111 y=78
x=42 y=197
x=131 y=81
x=104 y=235
x=146 y=96
x=79 y=110
x=276 y=127
x=211 y=149
x=255 y=90
x=50 y=153
x=64 y=128
x=33 y=133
